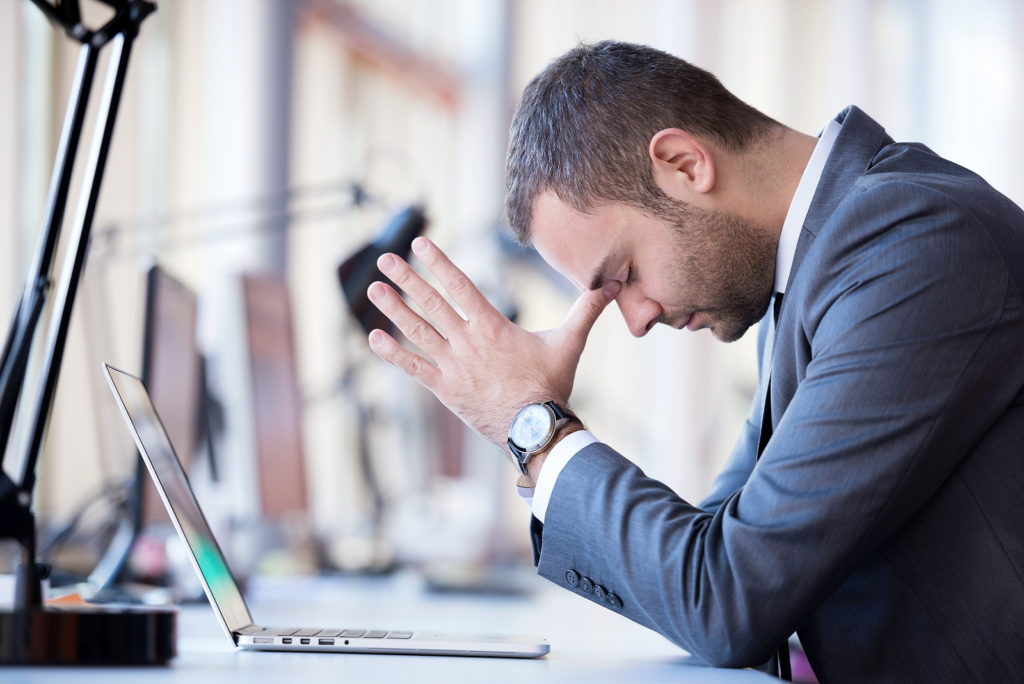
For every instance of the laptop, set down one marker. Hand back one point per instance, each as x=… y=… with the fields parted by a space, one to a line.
x=220 y=586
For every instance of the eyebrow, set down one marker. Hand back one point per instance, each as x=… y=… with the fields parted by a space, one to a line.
x=599 y=275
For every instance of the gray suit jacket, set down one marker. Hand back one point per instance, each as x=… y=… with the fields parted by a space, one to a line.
x=884 y=522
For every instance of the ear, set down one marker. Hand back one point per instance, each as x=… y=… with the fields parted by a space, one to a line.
x=683 y=165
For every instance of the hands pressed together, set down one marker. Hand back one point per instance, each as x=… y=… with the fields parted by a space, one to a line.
x=483 y=367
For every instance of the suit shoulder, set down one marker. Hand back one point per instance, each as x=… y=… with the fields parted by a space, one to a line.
x=884 y=209
x=909 y=231
x=911 y=177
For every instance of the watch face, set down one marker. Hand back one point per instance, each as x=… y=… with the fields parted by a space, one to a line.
x=532 y=427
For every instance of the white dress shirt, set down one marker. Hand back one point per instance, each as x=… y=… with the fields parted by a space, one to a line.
x=563 y=452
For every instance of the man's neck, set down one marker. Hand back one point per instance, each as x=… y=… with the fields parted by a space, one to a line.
x=768 y=176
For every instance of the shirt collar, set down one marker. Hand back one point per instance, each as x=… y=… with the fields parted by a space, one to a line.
x=801 y=203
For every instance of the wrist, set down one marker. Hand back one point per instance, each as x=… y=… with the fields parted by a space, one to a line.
x=536 y=462
x=532 y=471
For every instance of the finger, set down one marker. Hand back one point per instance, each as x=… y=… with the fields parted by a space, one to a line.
x=413 y=365
x=454 y=281
x=419 y=332
x=585 y=311
x=430 y=302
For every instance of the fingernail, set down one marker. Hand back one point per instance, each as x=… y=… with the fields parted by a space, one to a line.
x=386 y=262
x=376 y=338
x=376 y=291
x=419 y=245
x=611 y=289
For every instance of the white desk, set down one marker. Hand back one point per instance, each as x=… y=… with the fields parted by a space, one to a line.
x=588 y=643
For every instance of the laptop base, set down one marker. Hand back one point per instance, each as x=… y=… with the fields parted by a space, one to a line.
x=391 y=642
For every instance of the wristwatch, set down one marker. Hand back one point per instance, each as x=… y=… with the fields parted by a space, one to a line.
x=532 y=430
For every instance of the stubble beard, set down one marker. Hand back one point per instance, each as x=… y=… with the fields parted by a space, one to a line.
x=726 y=266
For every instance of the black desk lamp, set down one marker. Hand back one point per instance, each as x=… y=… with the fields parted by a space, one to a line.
x=32 y=634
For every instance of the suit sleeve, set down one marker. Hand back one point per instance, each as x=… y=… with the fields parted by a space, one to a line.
x=914 y=339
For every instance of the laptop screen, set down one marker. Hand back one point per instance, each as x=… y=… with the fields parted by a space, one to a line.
x=176 y=492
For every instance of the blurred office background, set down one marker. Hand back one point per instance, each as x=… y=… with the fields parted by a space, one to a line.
x=261 y=143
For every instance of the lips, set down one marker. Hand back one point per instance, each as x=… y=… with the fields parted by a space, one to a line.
x=683 y=323
x=679 y=323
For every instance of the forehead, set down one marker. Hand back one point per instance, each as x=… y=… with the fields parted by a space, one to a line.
x=575 y=243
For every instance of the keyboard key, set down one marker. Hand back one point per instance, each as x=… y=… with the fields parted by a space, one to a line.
x=306 y=632
x=353 y=633
x=375 y=634
x=275 y=631
x=330 y=633
x=400 y=635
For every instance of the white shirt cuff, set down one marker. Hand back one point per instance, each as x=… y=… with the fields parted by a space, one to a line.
x=558 y=457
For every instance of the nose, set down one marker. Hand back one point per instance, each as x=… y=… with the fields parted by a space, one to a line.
x=639 y=312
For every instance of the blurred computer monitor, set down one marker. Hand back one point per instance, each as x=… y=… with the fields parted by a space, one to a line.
x=171 y=369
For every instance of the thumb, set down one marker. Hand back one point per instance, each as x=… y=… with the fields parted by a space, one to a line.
x=585 y=312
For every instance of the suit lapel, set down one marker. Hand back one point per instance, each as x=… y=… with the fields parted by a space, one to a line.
x=856 y=146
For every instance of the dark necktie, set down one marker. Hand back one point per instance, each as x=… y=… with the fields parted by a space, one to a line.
x=766 y=417
x=779 y=664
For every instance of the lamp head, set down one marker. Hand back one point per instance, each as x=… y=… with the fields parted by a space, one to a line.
x=357 y=272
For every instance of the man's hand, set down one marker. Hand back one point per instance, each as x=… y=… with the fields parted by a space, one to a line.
x=482 y=367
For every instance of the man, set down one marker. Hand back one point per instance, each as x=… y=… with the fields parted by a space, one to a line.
x=873 y=503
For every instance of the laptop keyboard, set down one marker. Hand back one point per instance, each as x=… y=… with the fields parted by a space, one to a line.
x=330 y=633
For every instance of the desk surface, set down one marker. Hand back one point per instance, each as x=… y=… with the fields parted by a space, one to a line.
x=588 y=643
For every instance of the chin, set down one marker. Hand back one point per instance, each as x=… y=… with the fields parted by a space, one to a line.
x=726 y=332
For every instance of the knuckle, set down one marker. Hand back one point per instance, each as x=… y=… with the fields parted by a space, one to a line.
x=458 y=284
x=418 y=332
x=432 y=302
x=414 y=367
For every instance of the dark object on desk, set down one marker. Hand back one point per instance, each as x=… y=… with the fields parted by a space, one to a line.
x=32 y=633
x=357 y=272
x=89 y=635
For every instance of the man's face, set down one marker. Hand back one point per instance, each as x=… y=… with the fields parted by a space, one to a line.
x=697 y=269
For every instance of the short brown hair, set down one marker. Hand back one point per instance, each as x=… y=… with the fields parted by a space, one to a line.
x=585 y=122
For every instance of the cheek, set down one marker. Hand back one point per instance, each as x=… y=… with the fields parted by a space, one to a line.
x=677 y=283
